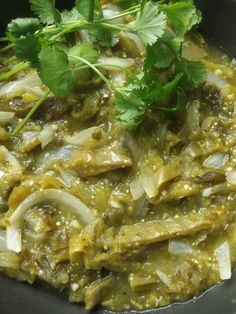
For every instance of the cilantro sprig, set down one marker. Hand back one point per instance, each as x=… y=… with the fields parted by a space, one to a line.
x=46 y=44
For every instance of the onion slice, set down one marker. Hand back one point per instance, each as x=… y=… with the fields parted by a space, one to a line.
x=218 y=82
x=120 y=62
x=136 y=39
x=109 y=11
x=69 y=202
x=178 y=247
x=81 y=137
x=29 y=84
x=11 y=160
x=46 y=136
x=216 y=161
x=164 y=278
x=222 y=254
x=136 y=189
x=6 y=117
x=231 y=177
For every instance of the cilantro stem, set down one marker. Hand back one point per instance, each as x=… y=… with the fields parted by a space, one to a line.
x=68 y=28
x=119 y=67
x=72 y=26
x=135 y=10
x=29 y=115
x=9 y=61
x=92 y=66
x=137 y=6
x=4 y=39
x=20 y=66
x=47 y=30
x=102 y=65
x=106 y=80
x=118 y=27
x=7 y=47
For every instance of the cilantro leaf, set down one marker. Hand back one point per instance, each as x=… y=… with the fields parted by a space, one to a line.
x=45 y=10
x=84 y=51
x=87 y=8
x=164 y=51
x=103 y=37
x=173 y=42
x=55 y=72
x=143 y=3
x=142 y=95
x=183 y=16
x=149 y=25
x=181 y=102
x=160 y=91
x=100 y=35
x=129 y=114
x=72 y=15
x=152 y=89
x=159 y=55
x=194 y=73
x=27 y=49
x=23 y=26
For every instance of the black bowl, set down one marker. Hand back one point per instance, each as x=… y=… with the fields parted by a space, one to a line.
x=219 y=26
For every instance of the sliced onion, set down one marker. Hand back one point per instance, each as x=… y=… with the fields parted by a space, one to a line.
x=193 y=116
x=178 y=247
x=218 y=82
x=46 y=136
x=29 y=84
x=148 y=183
x=8 y=259
x=140 y=205
x=29 y=137
x=164 y=278
x=118 y=199
x=136 y=189
x=231 y=177
x=136 y=39
x=68 y=177
x=45 y=161
x=81 y=137
x=69 y=202
x=216 y=161
x=219 y=188
x=120 y=62
x=222 y=254
x=168 y=173
x=110 y=10
x=6 y=117
x=193 y=151
x=35 y=236
x=16 y=167
x=114 y=202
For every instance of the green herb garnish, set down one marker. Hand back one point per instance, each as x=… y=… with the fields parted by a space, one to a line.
x=161 y=26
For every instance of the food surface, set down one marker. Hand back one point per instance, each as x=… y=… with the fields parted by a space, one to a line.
x=117 y=153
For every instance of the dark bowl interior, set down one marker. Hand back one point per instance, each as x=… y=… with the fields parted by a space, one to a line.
x=219 y=27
